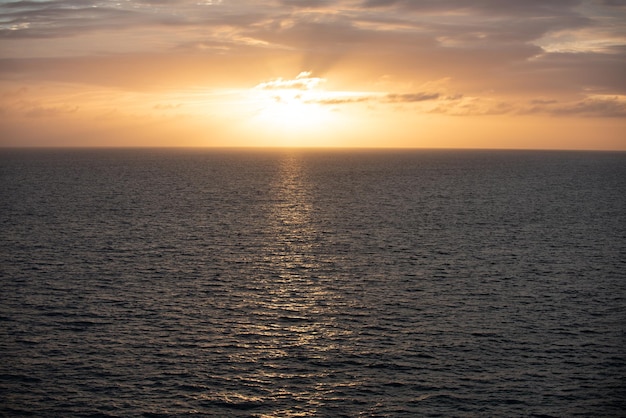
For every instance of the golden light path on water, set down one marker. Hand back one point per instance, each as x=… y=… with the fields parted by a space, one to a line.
x=293 y=305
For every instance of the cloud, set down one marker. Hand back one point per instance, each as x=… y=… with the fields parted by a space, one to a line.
x=31 y=19
x=306 y=3
x=49 y=111
x=615 y=3
x=598 y=107
x=66 y=18
x=590 y=107
x=543 y=101
x=380 y=98
x=527 y=7
x=495 y=52
x=411 y=97
x=461 y=105
x=303 y=81
x=341 y=100
x=575 y=72
x=18 y=103
x=334 y=32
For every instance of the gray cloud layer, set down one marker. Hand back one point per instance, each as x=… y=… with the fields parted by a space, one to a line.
x=557 y=46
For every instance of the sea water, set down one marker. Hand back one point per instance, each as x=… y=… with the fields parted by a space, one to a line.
x=312 y=283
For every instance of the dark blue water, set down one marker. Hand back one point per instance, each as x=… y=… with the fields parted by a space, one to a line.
x=312 y=283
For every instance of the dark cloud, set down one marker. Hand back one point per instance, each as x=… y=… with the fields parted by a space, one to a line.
x=499 y=7
x=381 y=3
x=616 y=3
x=389 y=98
x=412 y=97
x=593 y=107
x=333 y=33
x=485 y=23
x=543 y=101
x=29 y=19
x=306 y=3
x=588 y=71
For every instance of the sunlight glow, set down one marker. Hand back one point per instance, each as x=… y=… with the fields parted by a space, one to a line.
x=290 y=110
x=293 y=110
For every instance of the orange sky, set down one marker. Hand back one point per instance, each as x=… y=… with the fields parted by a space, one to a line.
x=365 y=73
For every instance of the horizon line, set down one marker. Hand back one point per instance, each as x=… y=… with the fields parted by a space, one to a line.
x=294 y=148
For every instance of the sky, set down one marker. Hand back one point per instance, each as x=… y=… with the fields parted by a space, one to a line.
x=507 y=74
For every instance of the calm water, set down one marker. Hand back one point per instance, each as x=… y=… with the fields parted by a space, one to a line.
x=311 y=283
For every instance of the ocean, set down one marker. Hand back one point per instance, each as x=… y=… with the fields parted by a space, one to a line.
x=312 y=283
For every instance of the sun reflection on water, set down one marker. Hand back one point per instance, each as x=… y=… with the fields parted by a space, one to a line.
x=296 y=304
x=295 y=292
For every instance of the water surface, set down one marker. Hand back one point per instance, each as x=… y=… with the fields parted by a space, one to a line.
x=312 y=283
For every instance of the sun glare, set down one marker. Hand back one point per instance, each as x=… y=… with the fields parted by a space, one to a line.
x=288 y=110
x=293 y=111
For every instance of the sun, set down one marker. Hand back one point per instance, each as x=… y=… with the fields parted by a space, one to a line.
x=293 y=111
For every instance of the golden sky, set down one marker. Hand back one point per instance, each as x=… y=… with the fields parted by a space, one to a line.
x=547 y=74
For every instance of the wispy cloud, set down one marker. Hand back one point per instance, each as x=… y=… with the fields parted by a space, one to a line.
x=303 y=81
x=380 y=98
x=411 y=97
x=341 y=100
x=598 y=107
